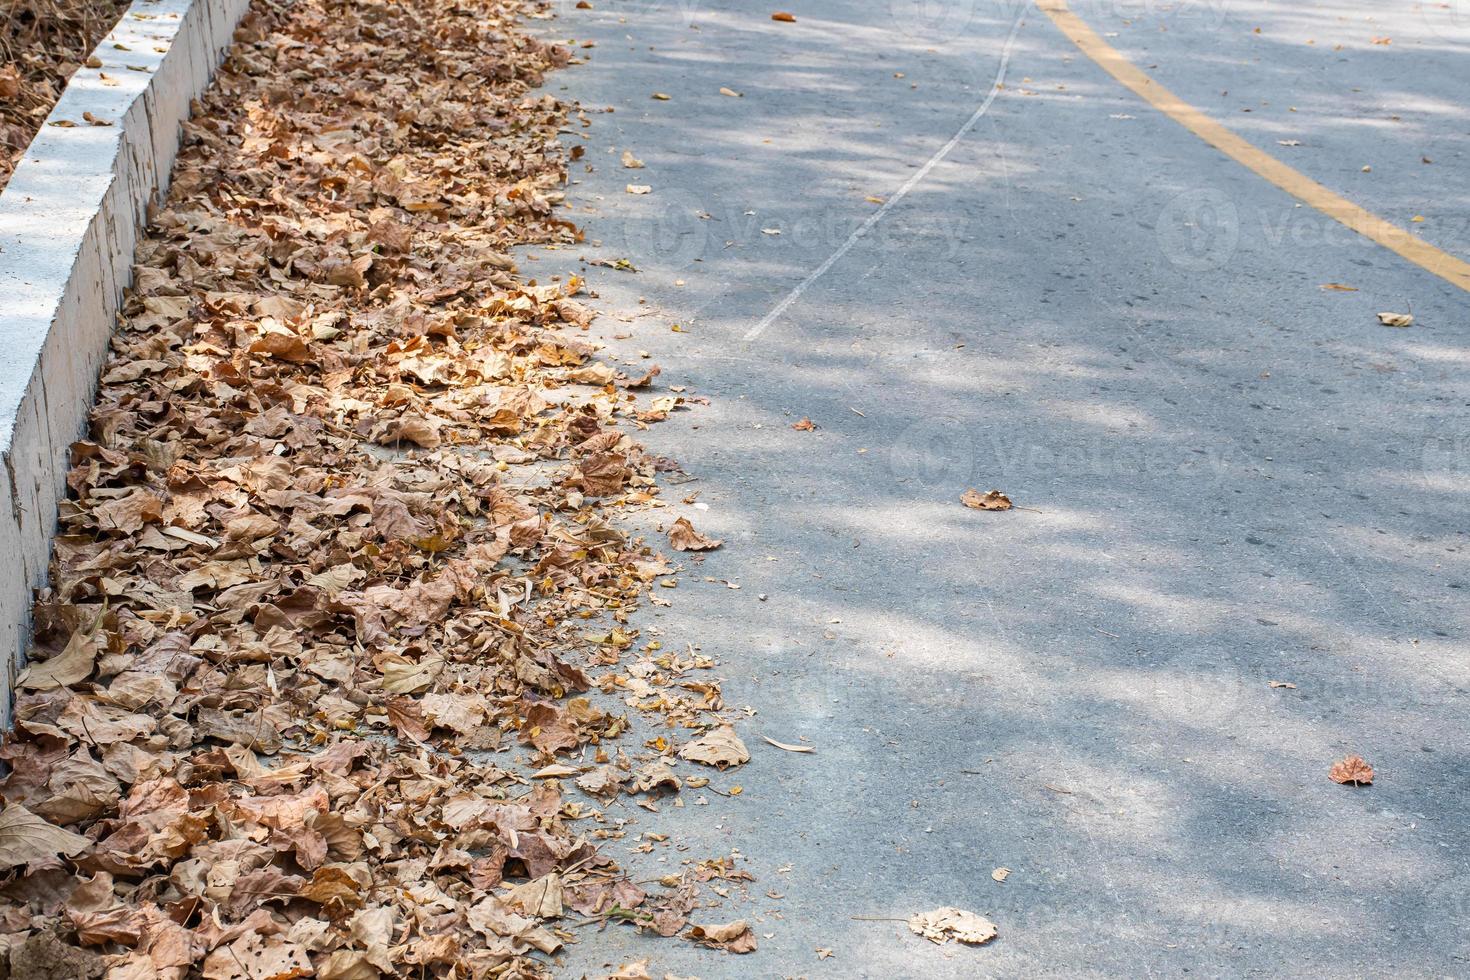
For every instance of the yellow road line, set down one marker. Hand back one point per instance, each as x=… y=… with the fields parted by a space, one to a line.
x=1300 y=186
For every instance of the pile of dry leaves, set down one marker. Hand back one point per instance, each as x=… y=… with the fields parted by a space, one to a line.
x=42 y=42
x=341 y=550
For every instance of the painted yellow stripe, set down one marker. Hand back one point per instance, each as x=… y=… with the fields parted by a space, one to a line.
x=1339 y=208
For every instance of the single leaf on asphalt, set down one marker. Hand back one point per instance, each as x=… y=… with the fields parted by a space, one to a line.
x=1339 y=287
x=1286 y=684
x=639 y=189
x=730 y=92
x=683 y=537
x=805 y=425
x=993 y=500
x=1352 y=770
x=721 y=748
x=784 y=17
x=631 y=162
x=1396 y=319
x=944 y=924
x=732 y=937
x=25 y=837
x=788 y=748
x=1001 y=874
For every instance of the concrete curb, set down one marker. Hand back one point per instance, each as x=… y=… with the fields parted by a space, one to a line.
x=69 y=221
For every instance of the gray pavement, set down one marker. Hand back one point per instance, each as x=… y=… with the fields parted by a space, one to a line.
x=1231 y=476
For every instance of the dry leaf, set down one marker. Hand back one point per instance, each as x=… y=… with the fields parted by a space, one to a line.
x=730 y=92
x=1000 y=874
x=1396 y=319
x=70 y=666
x=992 y=500
x=788 y=748
x=805 y=425
x=784 y=17
x=721 y=748
x=26 y=838
x=631 y=162
x=683 y=537
x=732 y=937
x=1286 y=684
x=1352 y=769
x=943 y=924
x=639 y=189
x=1339 y=287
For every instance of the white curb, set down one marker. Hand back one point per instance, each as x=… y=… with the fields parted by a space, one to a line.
x=69 y=220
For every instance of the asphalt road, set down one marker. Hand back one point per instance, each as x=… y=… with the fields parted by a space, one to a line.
x=1225 y=474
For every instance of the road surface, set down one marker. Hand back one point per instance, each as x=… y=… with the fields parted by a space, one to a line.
x=1226 y=475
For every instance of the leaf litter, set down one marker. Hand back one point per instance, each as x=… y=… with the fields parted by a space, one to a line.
x=341 y=599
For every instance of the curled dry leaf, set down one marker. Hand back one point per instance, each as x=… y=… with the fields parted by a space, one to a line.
x=784 y=17
x=732 y=937
x=683 y=537
x=639 y=189
x=1352 y=769
x=1396 y=319
x=631 y=162
x=943 y=924
x=992 y=500
x=805 y=425
x=788 y=747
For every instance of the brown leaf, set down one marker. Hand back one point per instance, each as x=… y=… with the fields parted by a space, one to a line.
x=993 y=500
x=732 y=937
x=943 y=924
x=1352 y=769
x=784 y=17
x=683 y=537
x=1396 y=319
x=721 y=748
x=805 y=425
x=25 y=838
x=787 y=746
x=72 y=665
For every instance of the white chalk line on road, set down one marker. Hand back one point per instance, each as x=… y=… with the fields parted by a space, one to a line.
x=908 y=185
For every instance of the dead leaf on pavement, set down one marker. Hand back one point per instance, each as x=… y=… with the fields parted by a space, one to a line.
x=631 y=162
x=788 y=747
x=1001 y=874
x=721 y=748
x=1352 y=769
x=1396 y=319
x=805 y=425
x=683 y=537
x=784 y=17
x=732 y=937
x=1339 y=287
x=1286 y=684
x=943 y=924
x=992 y=500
